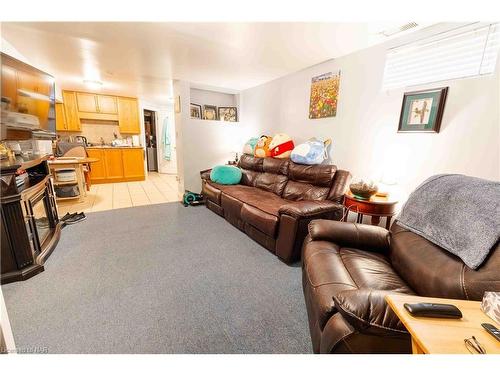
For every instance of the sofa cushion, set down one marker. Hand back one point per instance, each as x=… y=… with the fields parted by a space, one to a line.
x=297 y=191
x=261 y=220
x=317 y=175
x=248 y=177
x=275 y=183
x=258 y=198
x=250 y=163
x=276 y=166
x=372 y=271
x=309 y=182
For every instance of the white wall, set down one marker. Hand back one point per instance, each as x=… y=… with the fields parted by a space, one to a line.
x=202 y=144
x=219 y=99
x=364 y=132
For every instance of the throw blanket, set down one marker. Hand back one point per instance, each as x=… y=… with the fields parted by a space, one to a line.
x=461 y=214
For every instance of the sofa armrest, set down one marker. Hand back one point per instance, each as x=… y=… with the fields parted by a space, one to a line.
x=360 y=236
x=305 y=209
x=367 y=311
x=205 y=174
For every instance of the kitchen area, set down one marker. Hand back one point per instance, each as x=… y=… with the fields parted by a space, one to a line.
x=108 y=127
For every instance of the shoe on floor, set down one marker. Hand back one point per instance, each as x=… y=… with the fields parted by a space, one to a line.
x=76 y=218
x=67 y=216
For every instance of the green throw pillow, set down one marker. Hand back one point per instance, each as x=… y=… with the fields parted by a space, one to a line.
x=226 y=175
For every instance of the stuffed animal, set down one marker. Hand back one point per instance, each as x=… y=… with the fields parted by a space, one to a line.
x=249 y=147
x=281 y=146
x=262 y=147
x=311 y=152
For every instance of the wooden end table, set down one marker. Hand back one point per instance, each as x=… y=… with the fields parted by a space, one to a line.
x=376 y=207
x=444 y=336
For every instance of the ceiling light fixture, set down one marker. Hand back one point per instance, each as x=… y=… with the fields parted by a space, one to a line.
x=93 y=84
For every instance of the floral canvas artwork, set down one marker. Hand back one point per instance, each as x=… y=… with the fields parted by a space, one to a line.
x=324 y=95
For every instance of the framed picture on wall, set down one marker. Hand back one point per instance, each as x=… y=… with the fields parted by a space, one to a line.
x=324 y=95
x=195 y=110
x=422 y=111
x=209 y=112
x=228 y=114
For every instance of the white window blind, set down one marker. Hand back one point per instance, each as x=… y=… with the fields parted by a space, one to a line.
x=462 y=53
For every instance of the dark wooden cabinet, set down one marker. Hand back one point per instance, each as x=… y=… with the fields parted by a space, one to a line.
x=30 y=225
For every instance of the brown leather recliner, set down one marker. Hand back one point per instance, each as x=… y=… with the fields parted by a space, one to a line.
x=276 y=199
x=348 y=269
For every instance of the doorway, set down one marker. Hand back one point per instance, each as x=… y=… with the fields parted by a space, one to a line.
x=151 y=140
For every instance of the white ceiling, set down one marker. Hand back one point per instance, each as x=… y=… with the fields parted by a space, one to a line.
x=141 y=59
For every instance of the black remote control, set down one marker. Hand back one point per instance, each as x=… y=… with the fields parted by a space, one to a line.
x=433 y=310
x=492 y=330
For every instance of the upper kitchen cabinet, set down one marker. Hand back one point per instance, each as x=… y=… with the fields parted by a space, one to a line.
x=128 y=116
x=32 y=83
x=80 y=106
x=9 y=84
x=61 y=124
x=107 y=104
x=86 y=102
x=70 y=112
x=97 y=107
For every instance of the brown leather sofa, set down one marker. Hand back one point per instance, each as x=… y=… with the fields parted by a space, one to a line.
x=276 y=199
x=348 y=269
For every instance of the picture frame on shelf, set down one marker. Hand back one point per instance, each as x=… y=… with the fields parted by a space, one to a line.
x=195 y=110
x=422 y=111
x=229 y=114
x=210 y=112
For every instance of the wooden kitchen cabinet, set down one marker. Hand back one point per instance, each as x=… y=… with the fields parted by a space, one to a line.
x=71 y=112
x=107 y=104
x=61 y=124
x=133 y=163
x=128 y=116
x=33 y=82
x=97 y=169
x=80 y=106
x=117 y=164
x=86 y=102
x=9 y=84
x=96 y=104
x=114 y=164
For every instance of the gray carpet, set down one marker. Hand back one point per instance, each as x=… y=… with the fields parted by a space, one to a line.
x=160 y=279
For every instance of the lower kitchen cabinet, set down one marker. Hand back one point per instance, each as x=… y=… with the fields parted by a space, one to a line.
x=134 y=160
x=114 y=164
x=117 y=165
x=97 y=169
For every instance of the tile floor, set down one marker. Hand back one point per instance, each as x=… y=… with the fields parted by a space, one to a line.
x=157 y=188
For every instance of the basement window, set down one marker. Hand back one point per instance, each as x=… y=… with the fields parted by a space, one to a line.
x=464 y=52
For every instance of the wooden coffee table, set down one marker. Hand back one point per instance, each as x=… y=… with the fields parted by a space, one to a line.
x=376 y=207
x=444 y=336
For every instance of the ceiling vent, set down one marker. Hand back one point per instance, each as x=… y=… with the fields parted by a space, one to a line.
x=399 y=29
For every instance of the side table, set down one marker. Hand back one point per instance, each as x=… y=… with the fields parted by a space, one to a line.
x=444 y=336
x=376 y=207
